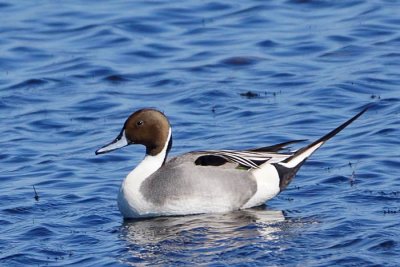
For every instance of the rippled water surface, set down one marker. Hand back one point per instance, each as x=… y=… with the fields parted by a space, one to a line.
x=229 y=74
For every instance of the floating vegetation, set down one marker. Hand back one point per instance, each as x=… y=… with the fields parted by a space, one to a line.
x=391 y=211
x=353 y=174
x=250 y=94
x=36 y=194
x=373 y=96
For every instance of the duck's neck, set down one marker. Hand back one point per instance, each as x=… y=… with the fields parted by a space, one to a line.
x=151 y=163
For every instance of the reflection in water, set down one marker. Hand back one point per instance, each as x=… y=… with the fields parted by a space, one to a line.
x=158 y=239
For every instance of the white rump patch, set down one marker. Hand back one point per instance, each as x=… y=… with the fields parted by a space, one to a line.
x=267 y=179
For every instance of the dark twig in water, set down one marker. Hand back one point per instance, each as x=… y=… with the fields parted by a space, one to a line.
x=250 y=94
x=36 y=194
x=353 y=174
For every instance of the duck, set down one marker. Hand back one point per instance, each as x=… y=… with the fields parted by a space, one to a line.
x=206 y=181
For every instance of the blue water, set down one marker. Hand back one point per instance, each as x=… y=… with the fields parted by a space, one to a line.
x=229 y=74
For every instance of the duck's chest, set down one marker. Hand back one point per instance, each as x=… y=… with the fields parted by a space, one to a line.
x=131 y=202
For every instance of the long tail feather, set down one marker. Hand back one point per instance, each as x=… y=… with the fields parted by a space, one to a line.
x=288 y=168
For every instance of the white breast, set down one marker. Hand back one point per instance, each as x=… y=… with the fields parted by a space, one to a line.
x=130 y=200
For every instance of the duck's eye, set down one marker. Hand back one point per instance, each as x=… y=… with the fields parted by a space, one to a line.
x=139 y=123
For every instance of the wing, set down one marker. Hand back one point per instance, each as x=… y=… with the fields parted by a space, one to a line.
x=277 y=147
x=248 y=159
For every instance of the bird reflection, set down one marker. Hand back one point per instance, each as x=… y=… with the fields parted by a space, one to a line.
x=157 y=239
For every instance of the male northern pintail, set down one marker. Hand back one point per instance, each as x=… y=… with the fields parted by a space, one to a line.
x=201 y=181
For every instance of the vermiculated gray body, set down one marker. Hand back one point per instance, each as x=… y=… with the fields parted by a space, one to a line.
x=181 y=179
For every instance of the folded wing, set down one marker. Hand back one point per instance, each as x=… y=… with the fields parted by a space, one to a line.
x=248 y=159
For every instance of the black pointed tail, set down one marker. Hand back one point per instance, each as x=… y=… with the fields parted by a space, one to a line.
x=288 y=168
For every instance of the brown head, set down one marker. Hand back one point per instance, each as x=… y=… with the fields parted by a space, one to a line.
x=148 y=127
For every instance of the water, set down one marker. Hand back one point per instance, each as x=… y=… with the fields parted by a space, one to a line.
x=229 y=74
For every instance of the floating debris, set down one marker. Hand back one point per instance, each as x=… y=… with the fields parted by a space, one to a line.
x=391 y=211
x=250 y=94
x=36 y=194
x=352 y=178
x=373 y=96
